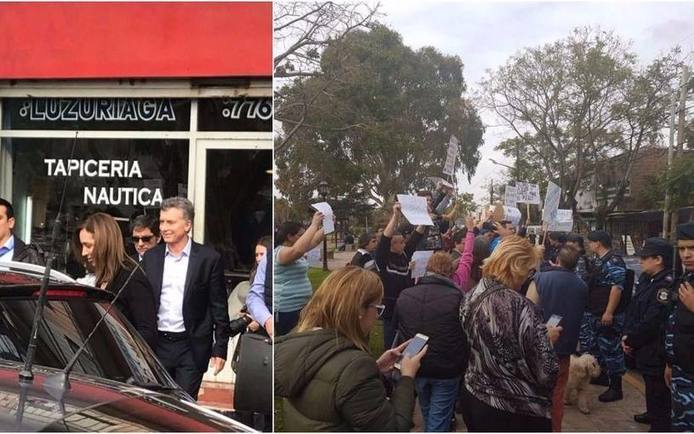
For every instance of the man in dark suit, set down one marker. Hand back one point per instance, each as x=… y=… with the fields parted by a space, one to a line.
x=191 y=300
x=11 y=247
x=145 y=235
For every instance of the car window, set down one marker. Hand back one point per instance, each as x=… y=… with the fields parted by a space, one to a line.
x=114 y=352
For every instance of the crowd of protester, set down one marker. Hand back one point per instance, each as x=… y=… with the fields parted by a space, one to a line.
x=503 y=317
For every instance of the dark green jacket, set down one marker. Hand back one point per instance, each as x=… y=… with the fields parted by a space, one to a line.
x=330 y=385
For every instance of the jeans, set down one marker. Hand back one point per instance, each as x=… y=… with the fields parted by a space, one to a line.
x=388 y=334
x=437 y=398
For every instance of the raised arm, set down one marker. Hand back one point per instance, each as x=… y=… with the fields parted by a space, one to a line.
x=287 y=255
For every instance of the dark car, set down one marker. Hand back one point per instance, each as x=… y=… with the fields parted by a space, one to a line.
x=117 y=383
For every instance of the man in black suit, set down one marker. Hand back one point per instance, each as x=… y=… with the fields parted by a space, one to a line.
x=11 y=247
x=191 y=299
x=145 y=235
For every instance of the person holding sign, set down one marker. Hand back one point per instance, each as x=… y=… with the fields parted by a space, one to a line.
x=393 y=256
x=292 y=287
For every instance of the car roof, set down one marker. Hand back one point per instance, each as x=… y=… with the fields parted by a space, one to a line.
x=23 y=280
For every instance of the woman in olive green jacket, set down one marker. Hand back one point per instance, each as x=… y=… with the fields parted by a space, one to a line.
x=324 y=371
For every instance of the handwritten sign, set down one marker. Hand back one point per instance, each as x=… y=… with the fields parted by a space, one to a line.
x=414 y=208
x=549 y=211
x=449 y=167
x=563 y=222
x=510 y=196
x=421 y=259
x=528 y=193
x=328 y=219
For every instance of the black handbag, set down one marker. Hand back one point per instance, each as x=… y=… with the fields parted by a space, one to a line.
x=253 y=367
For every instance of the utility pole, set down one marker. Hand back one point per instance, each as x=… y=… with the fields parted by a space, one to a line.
x=670 y=218
x=670 y=150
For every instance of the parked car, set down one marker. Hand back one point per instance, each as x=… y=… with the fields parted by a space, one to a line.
x=117 y=383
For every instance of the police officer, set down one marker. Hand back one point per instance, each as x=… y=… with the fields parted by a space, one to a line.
x=644 y=330
x=679 y=338
x=603 y=322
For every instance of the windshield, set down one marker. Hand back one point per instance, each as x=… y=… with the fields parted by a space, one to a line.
x=115 y=351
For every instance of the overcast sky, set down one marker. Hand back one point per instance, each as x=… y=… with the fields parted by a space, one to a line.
x=485 y=34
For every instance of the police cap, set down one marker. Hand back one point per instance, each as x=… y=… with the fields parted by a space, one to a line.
x=685 y=231
x=601 y=236
x=656 y=247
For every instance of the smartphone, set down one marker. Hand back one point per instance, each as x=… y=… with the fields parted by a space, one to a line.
x=414 y=347
x=554 y=320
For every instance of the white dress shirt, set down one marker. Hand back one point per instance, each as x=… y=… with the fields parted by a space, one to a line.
x=170 y=315
x=8 y=249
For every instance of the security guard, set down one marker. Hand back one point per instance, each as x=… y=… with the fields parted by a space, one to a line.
x=644 y=330
x=603 y=322
x=679 y=339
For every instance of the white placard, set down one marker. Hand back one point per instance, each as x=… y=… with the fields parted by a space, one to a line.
x=563 y=222
x=449 y=167
x=528 y=193
x=421 y=259
x=552 y=198
x=513 y=214
x=510 y=195
x=328 y=220
x=313 y=256
x=414 y=208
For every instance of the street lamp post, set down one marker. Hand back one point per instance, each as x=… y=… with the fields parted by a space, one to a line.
x=323 y=191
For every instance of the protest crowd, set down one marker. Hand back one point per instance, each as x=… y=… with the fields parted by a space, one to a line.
x=480 y=317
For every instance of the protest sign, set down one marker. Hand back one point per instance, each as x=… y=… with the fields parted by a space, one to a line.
x=528 y=193
x=510 y=196
x=328 y=219
x=421 y=259
x=552 y=198
x=451 y=156
x=414 y=208
x=563 y=221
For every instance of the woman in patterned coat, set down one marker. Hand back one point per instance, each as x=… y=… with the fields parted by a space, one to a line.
x=512 y=367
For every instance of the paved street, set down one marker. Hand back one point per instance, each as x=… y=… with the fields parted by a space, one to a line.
x=611 y=417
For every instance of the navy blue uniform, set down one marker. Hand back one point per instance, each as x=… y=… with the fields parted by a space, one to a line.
x=605 y=342
x=644 y=332
x=679 y=345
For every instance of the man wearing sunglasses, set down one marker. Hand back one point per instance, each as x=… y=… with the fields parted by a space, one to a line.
x=145 y=234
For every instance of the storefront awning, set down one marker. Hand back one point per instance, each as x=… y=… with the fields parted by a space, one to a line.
x=135 y=40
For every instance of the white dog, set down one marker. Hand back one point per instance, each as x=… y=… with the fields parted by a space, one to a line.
x=581 y=370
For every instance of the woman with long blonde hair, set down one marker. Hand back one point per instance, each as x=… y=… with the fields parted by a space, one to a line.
x=512 y=367
x=100 y=244
x=324 y=370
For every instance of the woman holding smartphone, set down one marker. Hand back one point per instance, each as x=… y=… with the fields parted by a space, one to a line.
x=324 y=371
x=512 y=367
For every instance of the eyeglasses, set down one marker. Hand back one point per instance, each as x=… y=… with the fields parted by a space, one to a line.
x=146 y=239
x=380 y=308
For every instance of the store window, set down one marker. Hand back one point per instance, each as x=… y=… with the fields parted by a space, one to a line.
x=123 y=177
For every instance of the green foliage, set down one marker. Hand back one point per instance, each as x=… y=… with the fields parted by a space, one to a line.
x=680 y=183
x=379 y=124
x=578 y=101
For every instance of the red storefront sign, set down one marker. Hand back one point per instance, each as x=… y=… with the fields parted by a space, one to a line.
x=135 y=40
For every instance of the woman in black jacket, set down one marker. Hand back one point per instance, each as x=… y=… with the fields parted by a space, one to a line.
x=432 y=308
x=100 y=244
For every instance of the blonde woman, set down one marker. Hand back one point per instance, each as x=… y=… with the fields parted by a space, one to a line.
x=512 y=367
x=100 y=244
x=324 y=370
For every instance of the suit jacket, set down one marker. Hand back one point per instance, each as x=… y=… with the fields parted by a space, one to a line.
x=205 y=314
x=26 y=253
x=136 y=302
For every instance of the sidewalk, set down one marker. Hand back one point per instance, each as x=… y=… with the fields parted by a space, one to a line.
x=610 y=417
